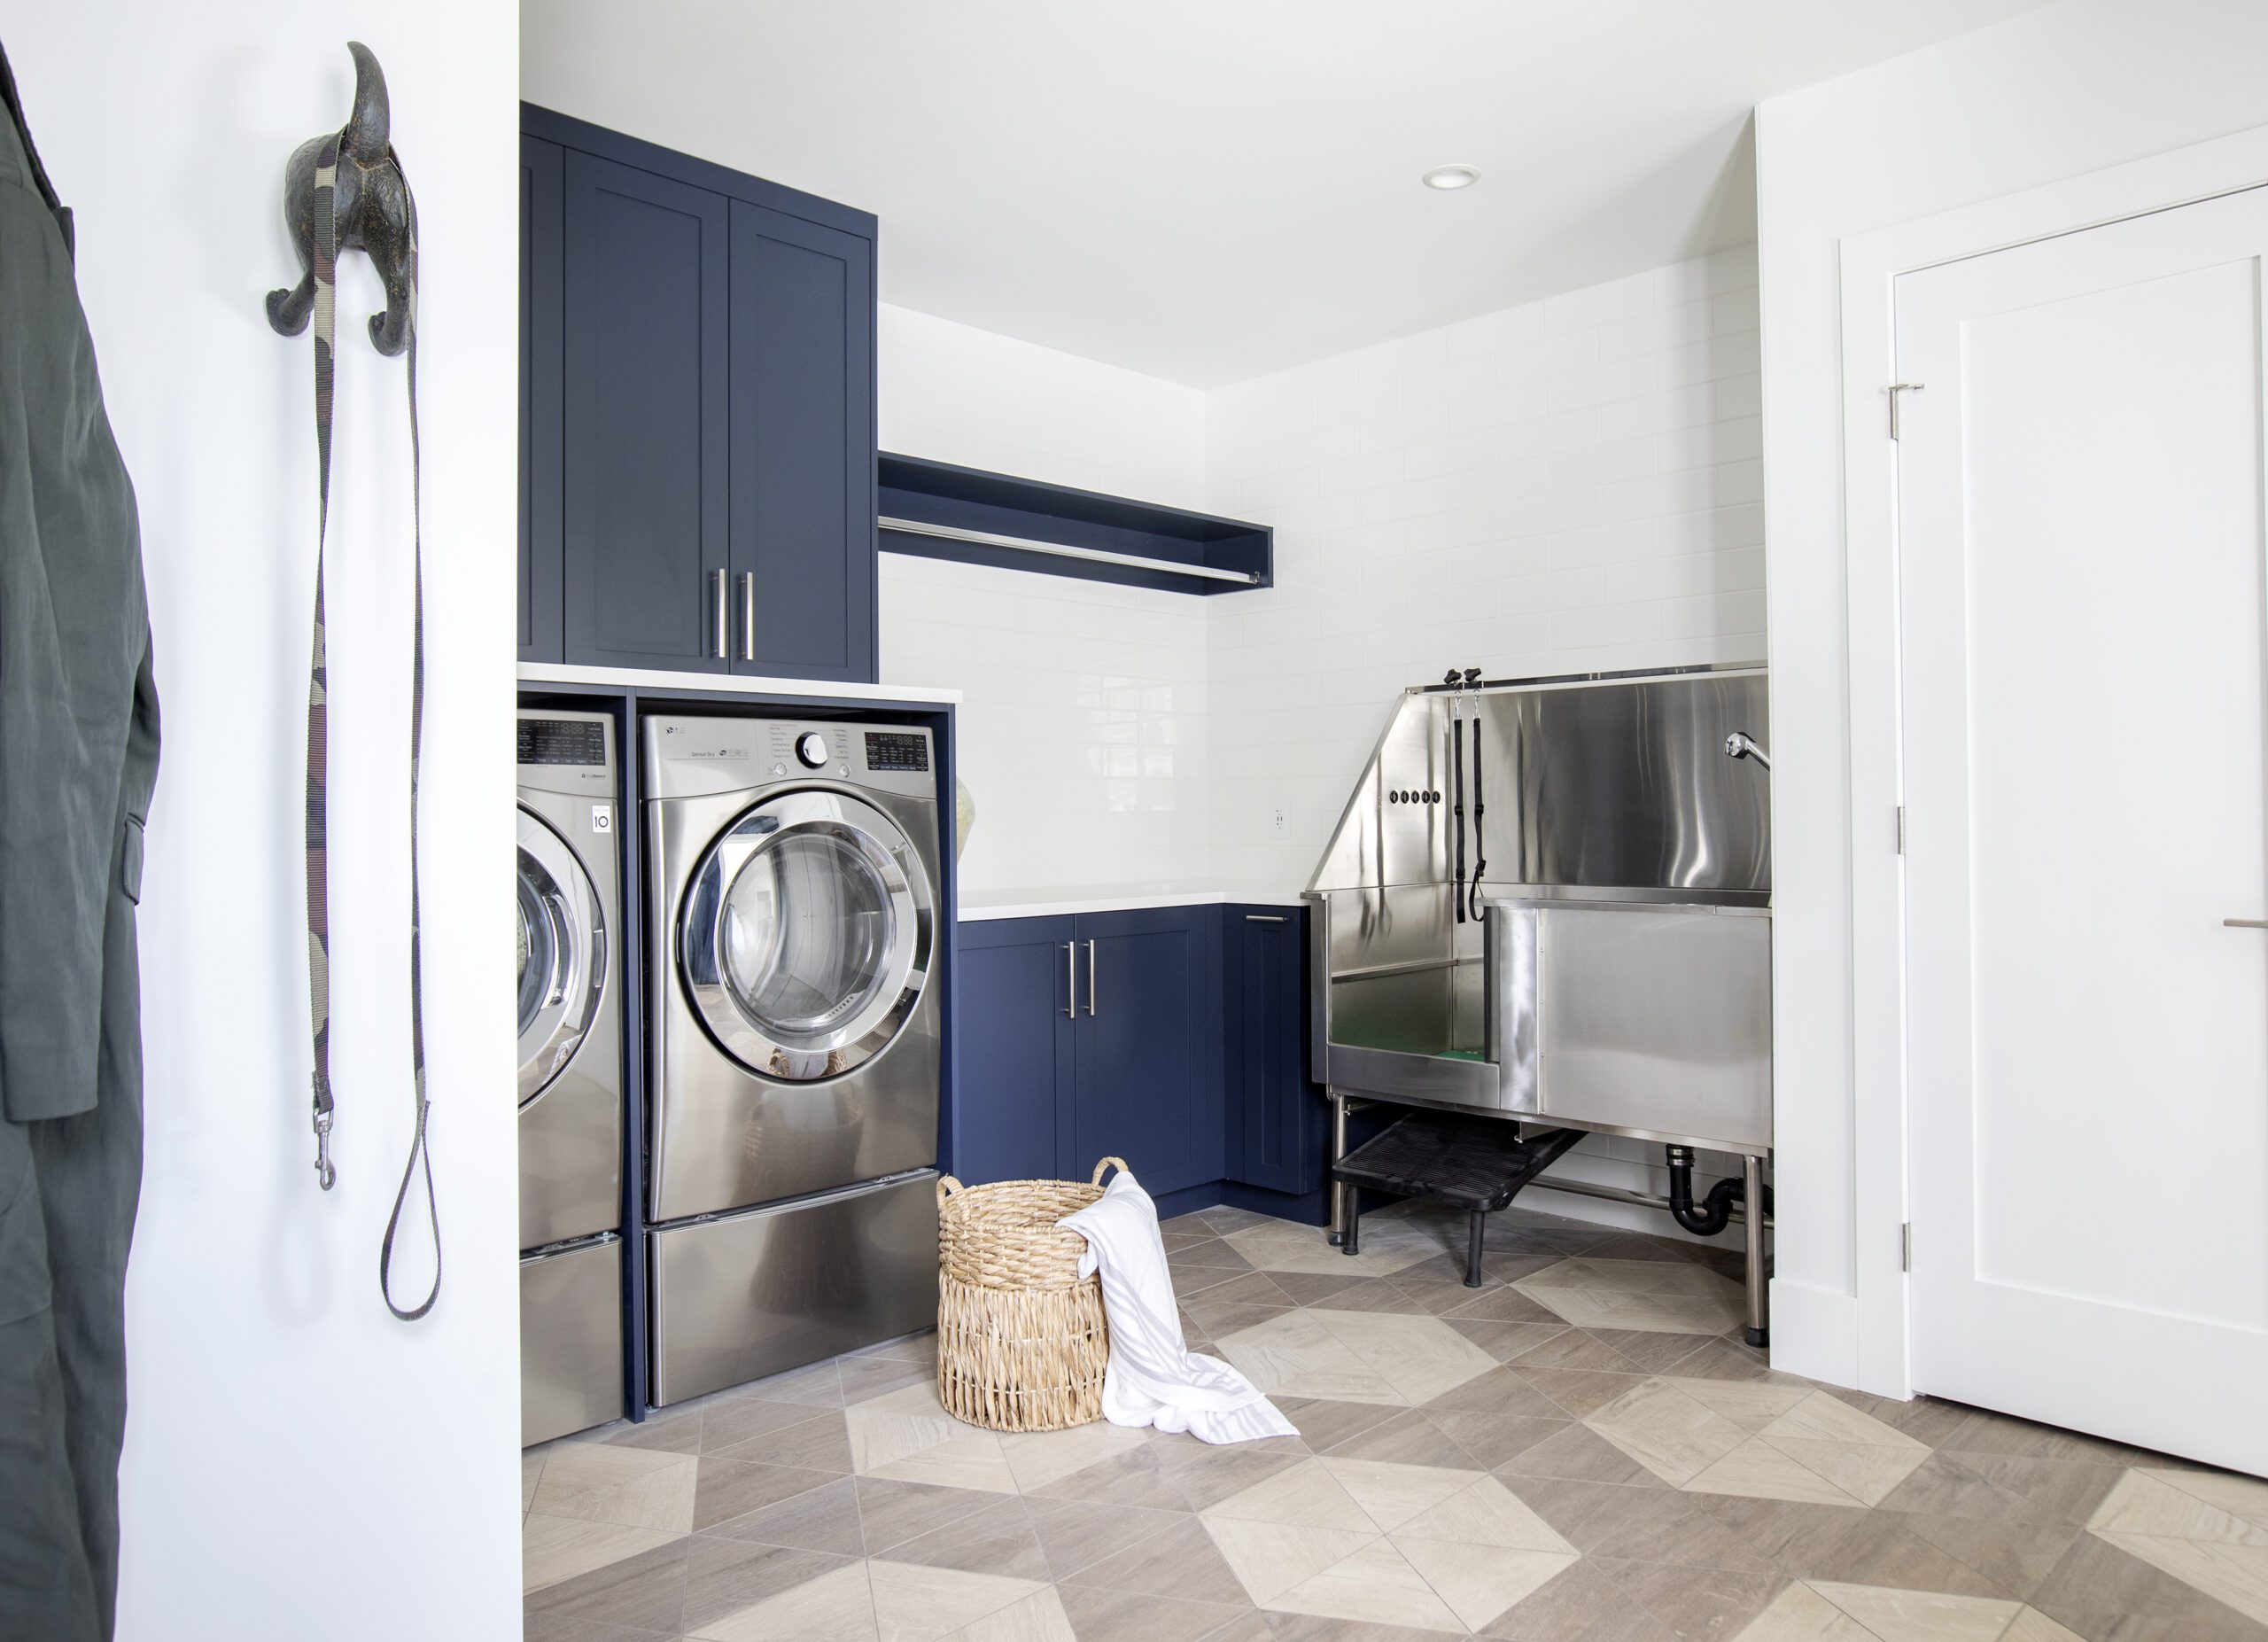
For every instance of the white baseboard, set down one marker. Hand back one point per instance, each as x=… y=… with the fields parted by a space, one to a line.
x=1815 y=1333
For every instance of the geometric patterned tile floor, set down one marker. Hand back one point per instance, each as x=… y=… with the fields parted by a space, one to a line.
x=1581 y=1451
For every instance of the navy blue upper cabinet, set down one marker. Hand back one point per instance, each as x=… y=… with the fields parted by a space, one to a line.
x=802 y=447
x=647 y=485
x=1147 y=1057
x=1277 y=1135
x=541 y=334
x=1013 y=1042
x=697 y=414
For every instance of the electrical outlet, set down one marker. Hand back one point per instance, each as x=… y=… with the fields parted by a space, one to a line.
x=1279 y=822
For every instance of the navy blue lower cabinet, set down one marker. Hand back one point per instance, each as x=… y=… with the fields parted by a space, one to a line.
x=1147 y=1056
x=1097 y=1036
x=1011 y=1057
x=1278 y=1122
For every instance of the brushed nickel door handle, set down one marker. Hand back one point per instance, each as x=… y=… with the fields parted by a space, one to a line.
x=2244 y=923
x=1091 y=978
x=724 y=615
x=1071 y=979
x=747 y=615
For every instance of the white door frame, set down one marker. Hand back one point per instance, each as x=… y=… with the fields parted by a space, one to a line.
x=1871 y=263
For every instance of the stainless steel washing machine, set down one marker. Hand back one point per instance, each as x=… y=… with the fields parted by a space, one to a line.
x=571 y=1075
x=794 y=1036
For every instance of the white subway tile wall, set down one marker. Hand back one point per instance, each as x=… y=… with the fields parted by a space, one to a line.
x=1082 y=725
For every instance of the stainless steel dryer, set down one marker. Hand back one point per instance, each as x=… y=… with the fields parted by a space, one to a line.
x=794 y=1065
x=571 y=1075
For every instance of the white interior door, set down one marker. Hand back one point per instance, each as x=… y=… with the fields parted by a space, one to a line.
x=2081 y=609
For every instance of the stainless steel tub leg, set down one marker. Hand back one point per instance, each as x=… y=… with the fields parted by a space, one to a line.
x=1338 y=1151
x=1758 y=1332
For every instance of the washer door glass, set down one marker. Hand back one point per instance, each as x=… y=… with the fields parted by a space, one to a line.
x=806 y=936
x=562 y=955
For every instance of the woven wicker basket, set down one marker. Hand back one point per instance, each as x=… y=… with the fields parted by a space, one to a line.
x=1021 y=1343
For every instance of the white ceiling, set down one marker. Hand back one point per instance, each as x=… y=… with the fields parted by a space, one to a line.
x=1208 y=190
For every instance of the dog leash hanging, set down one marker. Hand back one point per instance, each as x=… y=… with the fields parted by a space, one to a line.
x=420 y=1161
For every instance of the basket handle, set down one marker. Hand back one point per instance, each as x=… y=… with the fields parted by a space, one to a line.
x=1104 y=1164
x=946 y=1186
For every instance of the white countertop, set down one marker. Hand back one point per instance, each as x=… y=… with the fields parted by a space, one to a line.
x=1053 y=900
x=644 y=679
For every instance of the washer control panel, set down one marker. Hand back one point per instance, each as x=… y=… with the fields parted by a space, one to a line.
x=568 y=752
x=562 y=741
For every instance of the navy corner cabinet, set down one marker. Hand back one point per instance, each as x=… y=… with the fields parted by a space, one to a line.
x=1172 y=1037
x=697 y=413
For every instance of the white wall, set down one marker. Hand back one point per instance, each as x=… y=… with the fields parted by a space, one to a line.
x=2048 y=95
x=297 y=1463
x=1567 y=485
x=1083 y=729
x=1562 y=487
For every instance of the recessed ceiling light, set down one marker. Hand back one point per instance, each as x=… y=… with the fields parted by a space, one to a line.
x=1451 y=177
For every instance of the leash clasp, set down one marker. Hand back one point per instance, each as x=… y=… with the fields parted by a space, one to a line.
x=324 y=1172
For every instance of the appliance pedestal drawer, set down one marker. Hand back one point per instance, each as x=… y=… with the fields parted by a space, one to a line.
x=743 y=1295
x=570 y=1339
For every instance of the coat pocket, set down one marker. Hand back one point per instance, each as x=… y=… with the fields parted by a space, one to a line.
x=129 y=860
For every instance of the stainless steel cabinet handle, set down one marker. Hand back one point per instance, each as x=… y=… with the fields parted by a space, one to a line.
x=724 y=615
x=1265 y=917
x=2244 y=923
x=747 y=615
x=1071 y=979
x=1090 y=977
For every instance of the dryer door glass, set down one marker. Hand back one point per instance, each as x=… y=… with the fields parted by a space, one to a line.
x=562 y=955
x=806 y=937
x=806 y=932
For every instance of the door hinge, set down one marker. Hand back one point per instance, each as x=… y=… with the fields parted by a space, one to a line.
x=1898 y=829
x=1896 y=388
x=1906 y=1246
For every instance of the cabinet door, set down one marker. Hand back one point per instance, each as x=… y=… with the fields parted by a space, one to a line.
x=543 y=248
x=644 y=425
x=1012 y=1054
x=1148 y=1052
x=1274 y=1115
x=803 y=448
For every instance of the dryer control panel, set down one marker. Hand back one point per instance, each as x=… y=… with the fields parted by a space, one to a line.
x=686 y=756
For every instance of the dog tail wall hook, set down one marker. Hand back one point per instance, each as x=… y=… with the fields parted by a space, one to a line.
x=375 y=212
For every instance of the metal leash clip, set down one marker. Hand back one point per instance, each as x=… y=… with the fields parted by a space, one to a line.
x=324 y=1172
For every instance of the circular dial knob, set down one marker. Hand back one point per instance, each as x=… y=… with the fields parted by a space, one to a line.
x=811 y=748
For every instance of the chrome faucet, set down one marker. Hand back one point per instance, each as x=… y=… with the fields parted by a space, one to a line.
x=1740 y=744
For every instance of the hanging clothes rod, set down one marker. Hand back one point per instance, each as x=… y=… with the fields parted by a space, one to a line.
x=1021 y=544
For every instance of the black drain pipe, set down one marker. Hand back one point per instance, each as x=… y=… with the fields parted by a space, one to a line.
x=1716 y=1212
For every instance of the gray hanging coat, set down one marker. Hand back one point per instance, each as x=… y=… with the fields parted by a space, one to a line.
x=78 y=761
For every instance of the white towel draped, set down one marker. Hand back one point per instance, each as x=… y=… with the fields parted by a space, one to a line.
x=1154 y=1379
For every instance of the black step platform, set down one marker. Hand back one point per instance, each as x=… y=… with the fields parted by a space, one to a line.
x=1478 y=1164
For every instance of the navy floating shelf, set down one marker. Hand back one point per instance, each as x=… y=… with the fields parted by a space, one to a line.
x=935 y=510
